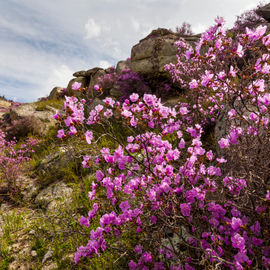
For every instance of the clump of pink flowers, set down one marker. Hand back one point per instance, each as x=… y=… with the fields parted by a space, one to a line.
x=189 y=207
x=12 y=159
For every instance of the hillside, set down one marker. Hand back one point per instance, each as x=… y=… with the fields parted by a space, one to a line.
x=161 y=162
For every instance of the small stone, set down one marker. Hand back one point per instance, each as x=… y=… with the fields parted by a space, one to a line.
x=33 y=253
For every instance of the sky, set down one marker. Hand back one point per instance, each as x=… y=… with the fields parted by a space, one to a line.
x=43 y=42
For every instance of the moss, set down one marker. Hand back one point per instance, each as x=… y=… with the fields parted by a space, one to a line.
x=55 y=103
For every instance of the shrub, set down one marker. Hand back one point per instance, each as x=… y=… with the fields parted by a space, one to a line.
x=188 y=207
x=12 y=158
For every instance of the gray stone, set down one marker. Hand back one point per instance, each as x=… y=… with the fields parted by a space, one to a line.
x=47 y=256
x=56 y=92
x=27 y=119
x=264 y=12
x=157 y=49
x=116 y=92
x=69 y=91
x=54 y=192
x=122 y=65
x=33 y=253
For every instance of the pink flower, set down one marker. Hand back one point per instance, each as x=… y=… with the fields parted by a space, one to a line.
x=236 y=223
x=134 y=97
x=266 y=40
x=126 y=113
x=224 y=143
x=154 y=219
x=206 y=78
x=57 y=116
x=210 y=155
x=76 y=86
x=96 y=87
x=84 y=221
x=193 y=84
x=239 y=50
x=257 y=33
x=238 y=241
x=138 y=249
x=73 y=130
x=60 y=134
x=85 y=162
x=221 y=75
x=89 y=136
x=185 y=209
x=267 y=197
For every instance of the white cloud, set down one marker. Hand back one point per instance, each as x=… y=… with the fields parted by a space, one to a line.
x=60 y=76
x=135 y=24
x=92 y=29
x=104 y=64
x=199 y=28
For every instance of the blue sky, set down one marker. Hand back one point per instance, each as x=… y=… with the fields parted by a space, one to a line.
x=43 y=42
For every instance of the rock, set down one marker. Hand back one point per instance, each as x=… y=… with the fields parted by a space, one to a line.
x=92 y=71
x=157 y=49
x=17 y=265
x=33 y=253
x=69 y=91
x=264 y=12
x=81 y=73
x=47 y=256
x=27 y=119
x=50 y=266
x=94 y=78
x=122 y=65
x=29 y=188
x=57 y=92
x=54 y=192
x=116 y=92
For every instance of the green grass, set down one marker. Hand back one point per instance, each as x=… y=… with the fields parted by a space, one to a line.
x=55 y=103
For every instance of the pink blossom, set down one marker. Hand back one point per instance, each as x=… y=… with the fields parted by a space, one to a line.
x=89 y=136
x=134 y=97
x=267 y=197
x=224 y=143
x=96 y=87
x=193 y=84
x=239 y=50
x=185 y=209
x=73 y=130
x=238 y=241
x=76 y=86
x=257 y=33
x=60 y=134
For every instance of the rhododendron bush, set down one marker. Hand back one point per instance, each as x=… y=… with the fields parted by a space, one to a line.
x=188 y=205
x=12 y=158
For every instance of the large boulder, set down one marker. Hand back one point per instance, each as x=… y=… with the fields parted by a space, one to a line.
x=54 y=194
x=28 y=118
x=57 y=92
x=80 y=79
x=264 y=12
x=87 y=78
x=122 y=65
x=157 y=49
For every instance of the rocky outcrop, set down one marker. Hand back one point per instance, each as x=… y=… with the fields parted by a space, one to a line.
x=264 y=12
x=28 y=118
x=87 y=78
x=157 y=49
x=50 y=197
x=57 y=92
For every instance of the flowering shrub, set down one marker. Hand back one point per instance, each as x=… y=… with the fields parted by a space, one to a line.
x=248 y=19
x=189 y=207
x=130 y=82
x=185 y=29
x=12 y=157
